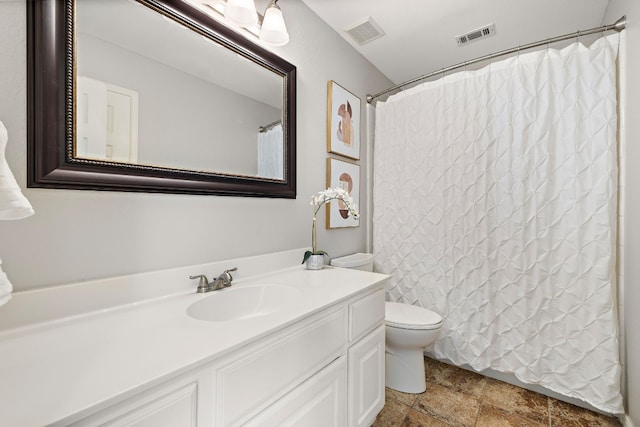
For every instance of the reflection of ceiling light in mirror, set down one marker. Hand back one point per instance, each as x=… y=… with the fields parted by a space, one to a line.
x=273 y=30
x=241 y=12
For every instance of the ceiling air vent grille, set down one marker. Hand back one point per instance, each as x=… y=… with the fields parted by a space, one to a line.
x=480 y=33
x=364 y=31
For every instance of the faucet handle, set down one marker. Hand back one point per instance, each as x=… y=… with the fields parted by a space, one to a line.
x=203 y=284
x=226 y=276
x=231 y=269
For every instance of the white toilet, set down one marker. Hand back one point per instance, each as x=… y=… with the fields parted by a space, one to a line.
x=409 y=329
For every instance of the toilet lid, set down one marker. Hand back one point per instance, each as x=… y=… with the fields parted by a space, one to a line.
x=409 y=316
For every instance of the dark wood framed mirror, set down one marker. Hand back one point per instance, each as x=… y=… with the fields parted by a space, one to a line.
x=61 y=36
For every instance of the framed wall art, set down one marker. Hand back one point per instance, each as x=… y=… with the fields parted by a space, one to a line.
x=345 y=175
x=343 y=121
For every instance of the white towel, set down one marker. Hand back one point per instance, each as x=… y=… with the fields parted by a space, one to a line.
x=5 y=287
x=13 y=204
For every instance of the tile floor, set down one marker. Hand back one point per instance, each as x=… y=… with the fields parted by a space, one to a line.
x=457 y=397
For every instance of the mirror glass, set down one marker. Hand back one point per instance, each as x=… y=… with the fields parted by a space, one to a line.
x=150 y=91
x=158 y=96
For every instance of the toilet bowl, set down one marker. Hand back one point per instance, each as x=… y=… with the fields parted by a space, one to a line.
x=409 y=329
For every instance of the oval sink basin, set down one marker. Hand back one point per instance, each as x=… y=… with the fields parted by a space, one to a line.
x=242 y=303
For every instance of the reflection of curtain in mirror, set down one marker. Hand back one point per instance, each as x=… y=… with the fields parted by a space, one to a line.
x=270 y=154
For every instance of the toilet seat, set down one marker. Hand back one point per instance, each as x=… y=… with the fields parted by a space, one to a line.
x=407 y=316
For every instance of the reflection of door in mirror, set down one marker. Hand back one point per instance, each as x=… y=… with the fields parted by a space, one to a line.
x=107 y=122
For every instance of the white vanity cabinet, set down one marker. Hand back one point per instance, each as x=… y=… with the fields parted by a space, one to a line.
x=324 y=370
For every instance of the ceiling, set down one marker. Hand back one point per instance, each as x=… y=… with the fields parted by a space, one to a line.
x=420 y=34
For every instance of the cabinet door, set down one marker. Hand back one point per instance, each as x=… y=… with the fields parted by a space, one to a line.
x=184 y=402
x=366 y=378
x=318 y=402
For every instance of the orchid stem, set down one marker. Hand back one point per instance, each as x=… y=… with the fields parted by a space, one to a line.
x=313 y=236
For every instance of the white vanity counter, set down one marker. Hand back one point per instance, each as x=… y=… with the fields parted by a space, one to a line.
x=62 y=370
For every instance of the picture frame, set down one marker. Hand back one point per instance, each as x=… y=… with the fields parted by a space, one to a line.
x=343 y=121
x=345 y=175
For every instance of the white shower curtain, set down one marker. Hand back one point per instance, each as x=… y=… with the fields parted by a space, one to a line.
x=495 y=205
x=270 y=153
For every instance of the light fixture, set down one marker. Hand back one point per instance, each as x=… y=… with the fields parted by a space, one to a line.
x=241 y=12
x=273 y=30
x=270 y=28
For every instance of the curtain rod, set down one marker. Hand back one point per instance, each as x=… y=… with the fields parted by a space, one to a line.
x=269 y=126
x=618 y=26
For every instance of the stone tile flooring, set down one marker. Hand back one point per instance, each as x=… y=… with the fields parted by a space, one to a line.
x=460 y=398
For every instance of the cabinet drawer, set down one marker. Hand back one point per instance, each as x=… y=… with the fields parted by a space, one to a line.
x=365 y=314
x=262 y=375
x=167 y=405
x=318 y=402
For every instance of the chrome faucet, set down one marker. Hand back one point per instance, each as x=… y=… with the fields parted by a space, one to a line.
x=222 y=281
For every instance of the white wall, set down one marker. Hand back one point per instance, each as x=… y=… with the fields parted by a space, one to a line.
x=631 y=209
x=79 y=235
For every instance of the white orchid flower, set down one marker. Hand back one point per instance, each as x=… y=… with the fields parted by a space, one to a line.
x=319 y=199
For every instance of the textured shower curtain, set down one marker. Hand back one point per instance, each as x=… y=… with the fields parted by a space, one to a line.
x=495 y=197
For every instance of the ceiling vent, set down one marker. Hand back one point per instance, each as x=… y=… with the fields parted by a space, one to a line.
x=364 y=31
x=479 y=34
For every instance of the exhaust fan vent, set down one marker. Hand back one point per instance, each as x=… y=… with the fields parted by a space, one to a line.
x=364 y=31
x=480 y=33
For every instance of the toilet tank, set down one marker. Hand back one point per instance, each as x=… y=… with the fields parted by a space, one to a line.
x=357 y=261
